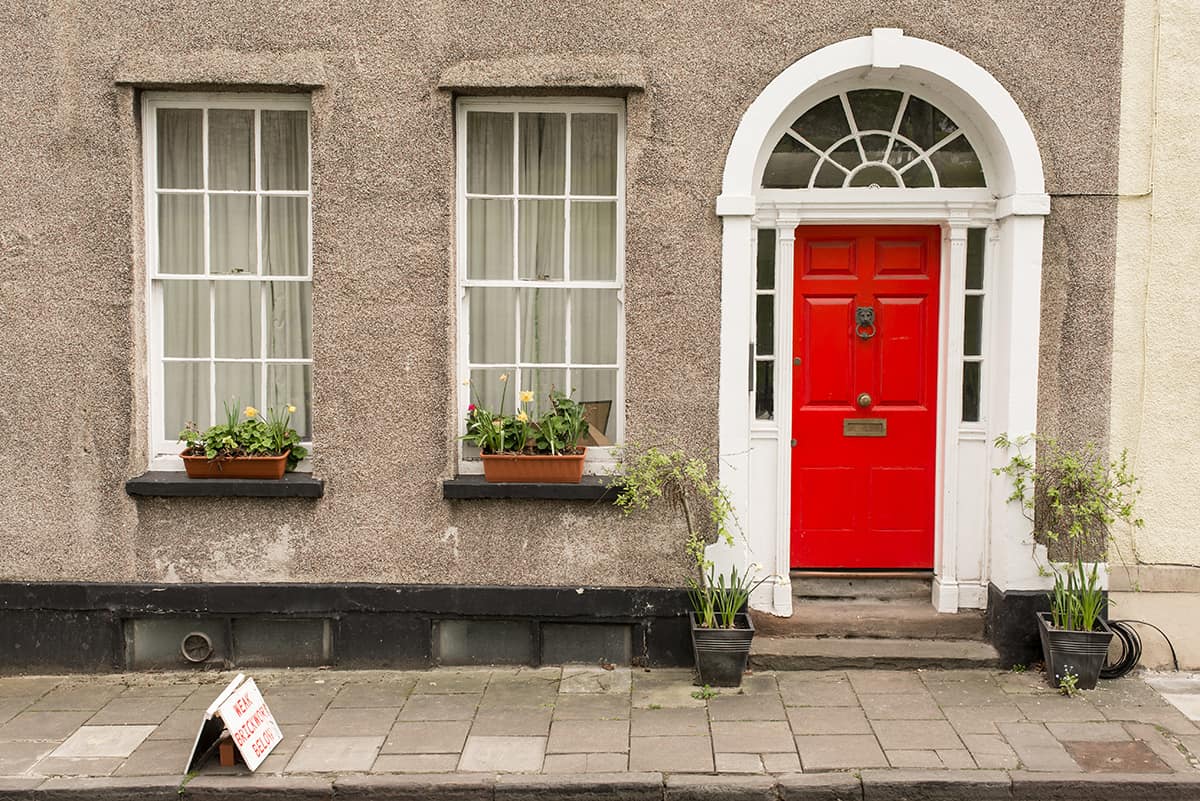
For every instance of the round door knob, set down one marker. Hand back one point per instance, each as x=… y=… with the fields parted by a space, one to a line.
x=864 y=400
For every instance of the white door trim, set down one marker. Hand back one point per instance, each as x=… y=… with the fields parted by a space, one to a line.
x=976 y=542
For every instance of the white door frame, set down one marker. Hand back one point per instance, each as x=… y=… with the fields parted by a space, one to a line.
x=976 y=541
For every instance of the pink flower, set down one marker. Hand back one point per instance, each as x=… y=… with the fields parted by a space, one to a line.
x=471 y=408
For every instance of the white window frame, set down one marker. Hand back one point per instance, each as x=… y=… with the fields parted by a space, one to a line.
x=599 y=459
x=164 y=453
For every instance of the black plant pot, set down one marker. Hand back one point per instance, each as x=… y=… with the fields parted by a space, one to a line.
x=1081 y=651
x=721 y=654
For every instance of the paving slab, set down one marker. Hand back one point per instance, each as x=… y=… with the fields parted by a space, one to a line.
x=443 y=682
x=585 y=736
x=901 y=706
x=671 y=754
x=738 y=763
x=335 y=754
x=512 y=721
x=672 y=721
x=919 y=734
x=760 y=737
x=596 y=680
x=85 y=697
x=913 y=758
x=11 y=707
x=592 y=706
x=585 y=763
x=103 y=741
x=981 y=719
x=1095 y=732
x=427 y=737
x=19 y=757
x=389 y=694
x=840 y=752
x=503 y=754
x=1168 y=750
x=440 y=707
x=869 y=682
x=158 y=758
x=991 y=751
x=355 y=721
x=1058 y=709
x=77 y=766
x=1036 y=747
x=797 y=689
x=27 y=686
x=1031 y=786
x=416 y=763
x=123 y=710
x=828 y=720
x=43 y=725
x=747 y=707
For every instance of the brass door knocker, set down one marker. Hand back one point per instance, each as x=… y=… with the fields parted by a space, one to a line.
x=864 y=322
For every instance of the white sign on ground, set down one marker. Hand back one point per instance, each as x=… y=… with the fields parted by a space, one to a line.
x=241 y=710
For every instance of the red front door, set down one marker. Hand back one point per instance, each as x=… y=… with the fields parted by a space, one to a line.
x=864 y=396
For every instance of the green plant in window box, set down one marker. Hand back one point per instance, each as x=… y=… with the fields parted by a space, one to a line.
x=522 y=448
x=255 y=447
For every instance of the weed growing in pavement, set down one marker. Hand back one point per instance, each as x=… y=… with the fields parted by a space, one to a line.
x=705 y=693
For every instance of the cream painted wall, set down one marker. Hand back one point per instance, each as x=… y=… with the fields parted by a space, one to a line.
x=1155 y=410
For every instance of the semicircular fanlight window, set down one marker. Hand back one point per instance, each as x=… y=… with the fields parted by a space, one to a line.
x=873 y=138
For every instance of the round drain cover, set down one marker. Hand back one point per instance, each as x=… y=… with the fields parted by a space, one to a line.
x=196 y=647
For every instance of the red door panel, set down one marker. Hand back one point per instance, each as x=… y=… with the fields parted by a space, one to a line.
x=864 y=501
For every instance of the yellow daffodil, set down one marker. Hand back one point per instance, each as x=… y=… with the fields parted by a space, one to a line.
x=504 y=376
x=527 y=396
x=291 y=409
x=524 y=418
x=250 y=411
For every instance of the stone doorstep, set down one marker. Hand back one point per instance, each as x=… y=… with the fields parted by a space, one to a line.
x=874 y=785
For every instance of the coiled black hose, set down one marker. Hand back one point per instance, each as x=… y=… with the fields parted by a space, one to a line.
x=1131 y=648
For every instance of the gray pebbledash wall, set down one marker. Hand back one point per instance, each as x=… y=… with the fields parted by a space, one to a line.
x=72 y=349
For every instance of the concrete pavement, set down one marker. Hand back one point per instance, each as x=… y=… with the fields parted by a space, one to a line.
x=623 y=733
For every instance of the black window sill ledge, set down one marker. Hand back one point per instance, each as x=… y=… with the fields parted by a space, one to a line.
x=176 y=484
x=591 y=488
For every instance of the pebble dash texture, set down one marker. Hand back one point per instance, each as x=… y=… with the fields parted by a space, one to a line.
x=72 y=377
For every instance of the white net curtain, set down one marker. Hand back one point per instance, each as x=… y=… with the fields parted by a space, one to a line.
x=236 y=303
x=541 y=253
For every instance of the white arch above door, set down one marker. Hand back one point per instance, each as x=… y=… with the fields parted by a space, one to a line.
x=1015 y=203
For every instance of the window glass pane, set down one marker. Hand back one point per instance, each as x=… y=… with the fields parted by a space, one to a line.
x=875 y=146
x=766 y=258
x=847 y=154
x=291 y=384
x=237 y=319
x=489 y=152
x=185 y=319
x=918 y=176
x=230 y=148
x=489 y=239
x=829 y=176
x=790 y=165
x=181 y=234
x=238 y=384
x=594 y=154
x=185 y=397
x=971 y=381
x=543 y=325
x=285 y=235
x=493 y=325
x=487 y=389
x=232 y=234
x=764 y=390
x=543 y=153
x=180 y=145
x=594 y=326
x=976 y=238
x=540 y=245
x=957 y=164
x=973 y=326
x=924 y=124
x=289 y=320
x=284 y=150
x=765 y=317
x=823 y=124
x=874 y=175
x=594 y=241
x=874 y=109
x=901 y=156
x=597 y=390
x=541 y=382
